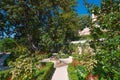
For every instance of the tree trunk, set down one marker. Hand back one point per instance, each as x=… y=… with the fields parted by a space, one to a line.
x=31 y=44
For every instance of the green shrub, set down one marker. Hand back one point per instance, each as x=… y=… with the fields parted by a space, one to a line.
x=108 y=66
x=81 y=72
x=20 y=50
x=87 y=60
x=43 y=54
x=25 y=71
x=45 y=72
x=22 y=68
x=107 y=49
x=15 y=53
x=84 y=37
x=62 y=55
x=4 y=75
x=49 y=55
x=72 y=72
x=7 y=44
x=75 y=55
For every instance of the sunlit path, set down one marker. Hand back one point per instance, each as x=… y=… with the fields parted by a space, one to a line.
x=61 y=69
x=60 y=73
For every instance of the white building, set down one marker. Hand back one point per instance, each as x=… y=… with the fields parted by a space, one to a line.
x=85 y=31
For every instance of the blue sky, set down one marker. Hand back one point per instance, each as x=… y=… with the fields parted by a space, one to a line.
x=81 y=9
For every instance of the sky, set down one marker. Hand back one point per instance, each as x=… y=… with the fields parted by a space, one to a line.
x=81 y=8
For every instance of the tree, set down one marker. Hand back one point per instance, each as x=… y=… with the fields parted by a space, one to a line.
x=7 y=44
x=108 y=48
x=32 y=19
x=84 y=21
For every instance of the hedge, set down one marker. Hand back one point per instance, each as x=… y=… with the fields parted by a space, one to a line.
x=71 y=72
x=45 y=73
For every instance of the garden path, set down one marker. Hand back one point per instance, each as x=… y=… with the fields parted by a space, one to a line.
x=60 y=66
x=61 y=71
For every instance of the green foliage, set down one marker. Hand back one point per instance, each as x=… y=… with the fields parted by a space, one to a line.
x=17 y=52
x=73 y=47
x=21 y=63
x=67 y=48
x=4 y=75
x=20 y=50
x=7 y=44
x=87 y=60
x=81 y=72
x=26 y=66
x=40 y=24
x=84 y=37
x=38 y=57
x=62 y=55
x=44 y=73
x=108 y=64
x=84 y=21
x=22 y=68
x=71 y=73
x=46 y=42
x=107 y=49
